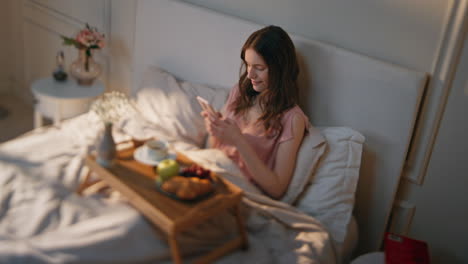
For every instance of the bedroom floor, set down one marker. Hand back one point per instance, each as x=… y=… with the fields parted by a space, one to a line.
x=19 y=118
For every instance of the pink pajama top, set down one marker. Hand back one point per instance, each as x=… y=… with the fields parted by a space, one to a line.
x=265 y=147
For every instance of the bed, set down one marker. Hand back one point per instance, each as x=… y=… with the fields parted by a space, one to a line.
x=336 y=206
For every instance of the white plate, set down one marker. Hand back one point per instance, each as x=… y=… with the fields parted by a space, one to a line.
x=138 y=156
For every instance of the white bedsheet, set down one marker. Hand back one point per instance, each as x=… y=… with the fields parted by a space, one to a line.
x=42 y=220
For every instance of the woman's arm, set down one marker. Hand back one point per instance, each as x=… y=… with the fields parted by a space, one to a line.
x=274 y=182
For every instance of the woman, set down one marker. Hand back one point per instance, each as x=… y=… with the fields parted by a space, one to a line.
x=261 y=127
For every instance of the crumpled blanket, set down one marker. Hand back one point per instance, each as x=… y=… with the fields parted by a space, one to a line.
x=43 y=220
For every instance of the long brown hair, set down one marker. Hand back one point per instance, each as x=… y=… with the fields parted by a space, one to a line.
x=273 y=44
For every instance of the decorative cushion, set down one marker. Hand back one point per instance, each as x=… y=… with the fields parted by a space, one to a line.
x=310 y=151
x=171 y=104
x=330 y=195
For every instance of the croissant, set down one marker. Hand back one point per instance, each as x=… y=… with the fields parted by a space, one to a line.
x=173 y=184
x=187 y=188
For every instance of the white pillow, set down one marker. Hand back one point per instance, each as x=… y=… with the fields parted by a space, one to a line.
x=310 y=151
x=330 y=195
x=171 y=104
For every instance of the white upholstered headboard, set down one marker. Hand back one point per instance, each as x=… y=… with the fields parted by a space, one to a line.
x=339 y=88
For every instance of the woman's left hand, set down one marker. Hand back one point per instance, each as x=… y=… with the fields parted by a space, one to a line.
x=226 y=130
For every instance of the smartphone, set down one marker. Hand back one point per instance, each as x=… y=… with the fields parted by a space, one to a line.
x=205 y=105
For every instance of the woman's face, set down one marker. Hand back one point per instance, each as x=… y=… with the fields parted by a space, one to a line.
x=257 y=70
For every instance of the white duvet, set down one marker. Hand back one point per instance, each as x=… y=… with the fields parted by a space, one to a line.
x=42 y=219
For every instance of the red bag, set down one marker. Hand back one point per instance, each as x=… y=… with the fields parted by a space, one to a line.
x=405 y=250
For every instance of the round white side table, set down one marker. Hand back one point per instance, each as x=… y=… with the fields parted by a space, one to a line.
x=62 y=100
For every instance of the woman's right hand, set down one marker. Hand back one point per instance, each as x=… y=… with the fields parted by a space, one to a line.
x=209 y=118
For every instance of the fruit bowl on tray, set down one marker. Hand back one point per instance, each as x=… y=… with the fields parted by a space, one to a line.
x=191 y=184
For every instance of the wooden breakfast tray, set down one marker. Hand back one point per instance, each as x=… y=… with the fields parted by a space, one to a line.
x=136 y=181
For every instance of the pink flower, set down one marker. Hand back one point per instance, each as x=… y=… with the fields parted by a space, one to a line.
x=98 y=39
x=87 y=38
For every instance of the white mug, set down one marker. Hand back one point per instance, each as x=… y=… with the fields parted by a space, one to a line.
x=155 y=149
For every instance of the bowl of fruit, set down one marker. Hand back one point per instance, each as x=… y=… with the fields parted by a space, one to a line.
x=191 y=183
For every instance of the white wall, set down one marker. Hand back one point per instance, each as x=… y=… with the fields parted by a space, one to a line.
x=404 y=32
x=16 y=68
x=121 y=44
x=5 y=46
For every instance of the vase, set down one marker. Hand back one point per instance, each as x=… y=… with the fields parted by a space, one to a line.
x=106 y=148
x=85 y=69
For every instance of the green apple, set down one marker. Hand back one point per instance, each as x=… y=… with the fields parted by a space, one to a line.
x=166 y=169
